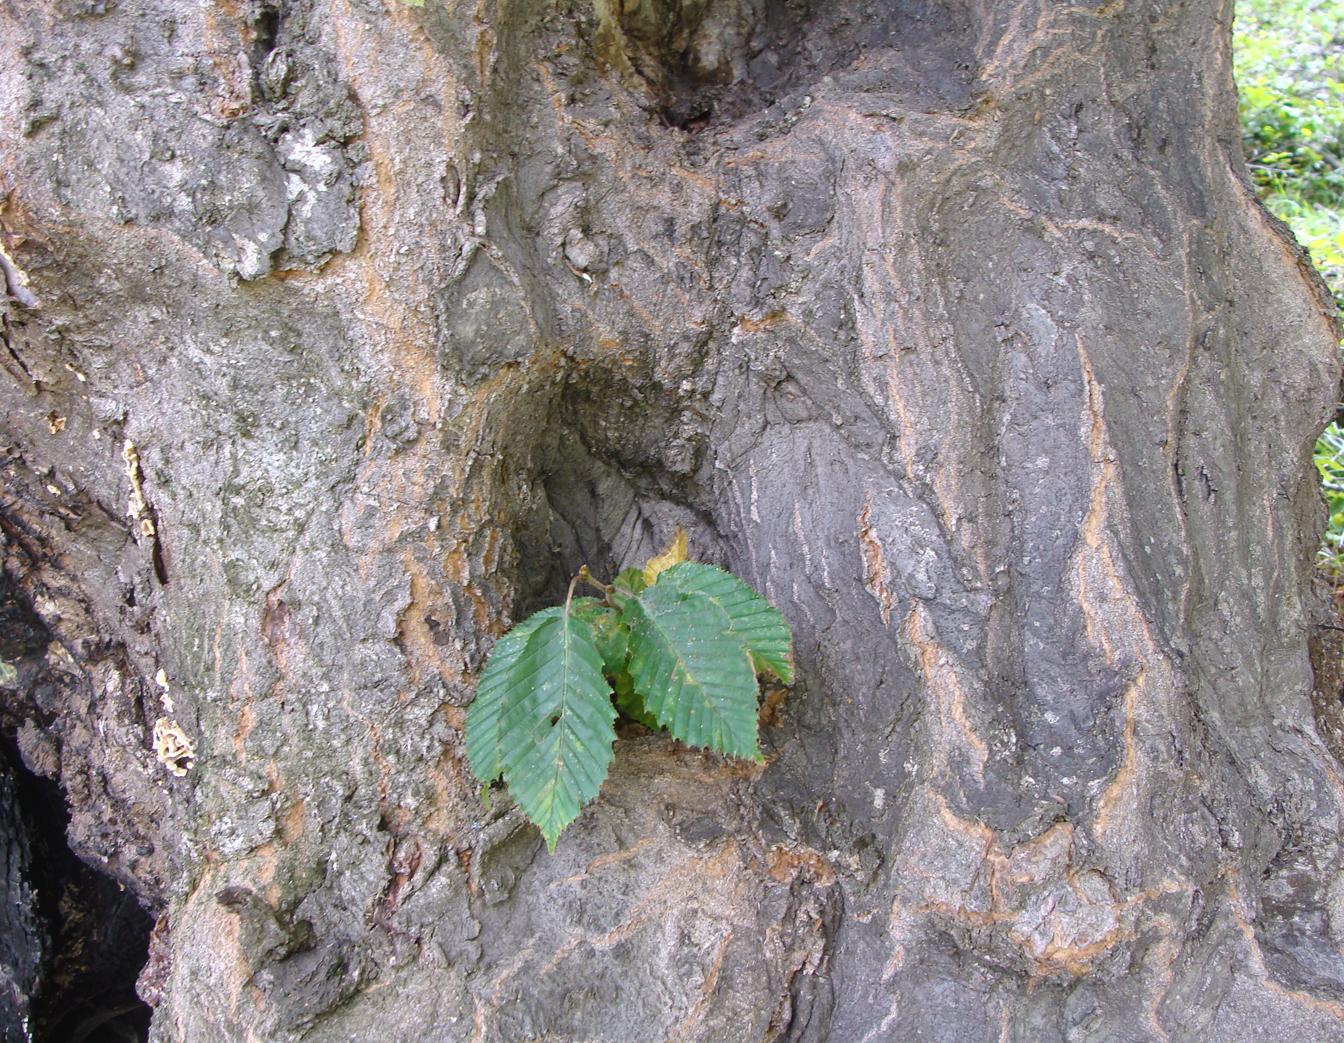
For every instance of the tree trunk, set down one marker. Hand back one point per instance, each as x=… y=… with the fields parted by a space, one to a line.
x=340 y=333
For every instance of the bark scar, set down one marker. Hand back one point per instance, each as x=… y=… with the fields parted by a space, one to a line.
x=140 y=512
x=874 y=561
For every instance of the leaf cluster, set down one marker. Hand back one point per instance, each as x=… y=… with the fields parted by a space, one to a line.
x=676 y=645
x=1290 y=76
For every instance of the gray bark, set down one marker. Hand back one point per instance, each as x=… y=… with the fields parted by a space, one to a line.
x=951 y=326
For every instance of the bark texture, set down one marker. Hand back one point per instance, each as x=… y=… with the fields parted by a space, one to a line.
x=340 y=333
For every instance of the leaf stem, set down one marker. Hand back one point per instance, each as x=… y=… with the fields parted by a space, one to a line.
x=569 y=595
x=591 y=580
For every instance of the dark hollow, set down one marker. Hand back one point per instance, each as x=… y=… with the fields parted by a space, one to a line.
x=96 y=934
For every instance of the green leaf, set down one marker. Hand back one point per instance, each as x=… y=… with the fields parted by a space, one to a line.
x=630 y=704
x=610 y=634
x=492 y=697
x=631 y=580
x=754 y=621
x=555 y=733
x=692 y=671
x=613 y=644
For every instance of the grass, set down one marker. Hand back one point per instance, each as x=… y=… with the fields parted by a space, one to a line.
x=1289 y=57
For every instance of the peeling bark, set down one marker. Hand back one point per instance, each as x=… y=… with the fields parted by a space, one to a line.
x=339 y=334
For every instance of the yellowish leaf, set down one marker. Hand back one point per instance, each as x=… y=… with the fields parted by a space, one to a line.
x=674 y=554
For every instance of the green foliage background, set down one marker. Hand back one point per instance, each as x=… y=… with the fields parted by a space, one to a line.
x=1290 y=75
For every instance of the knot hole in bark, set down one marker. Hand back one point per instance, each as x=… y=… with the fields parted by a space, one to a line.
x=608 y=467
x=263 y=24
x=716 y=61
